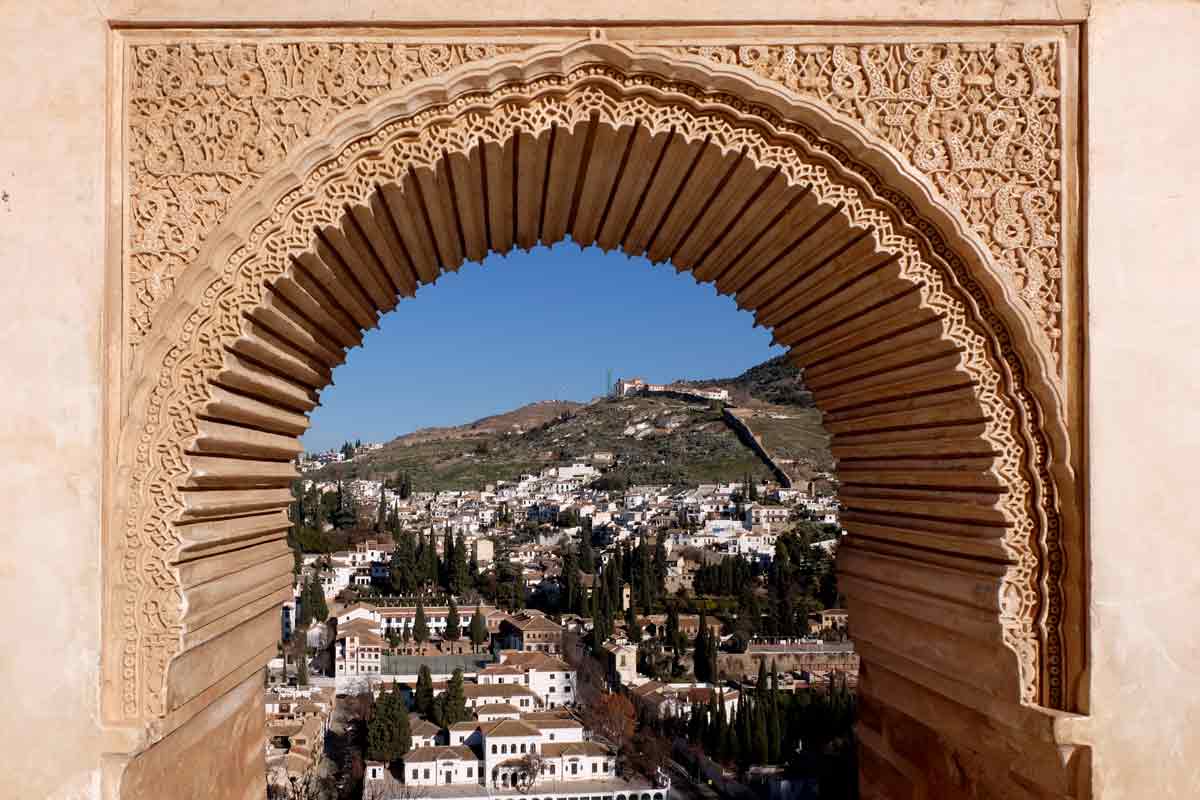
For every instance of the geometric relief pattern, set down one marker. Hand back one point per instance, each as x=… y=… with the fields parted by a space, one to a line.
x=982 y=119
x=207 y=119
x=180 y=387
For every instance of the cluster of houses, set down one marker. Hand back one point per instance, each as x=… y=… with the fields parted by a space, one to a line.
x=362 y=638
x=714 y=519
x=624 y=387
x=298 y=719
x=507 y=752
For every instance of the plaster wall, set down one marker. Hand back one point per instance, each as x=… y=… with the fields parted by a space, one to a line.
x=1143 y=187
x=52 y=280
x=1140 y=202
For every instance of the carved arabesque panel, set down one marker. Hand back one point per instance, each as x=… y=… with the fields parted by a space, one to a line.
x=982 y=119
x=181 y=382
x=206 y=119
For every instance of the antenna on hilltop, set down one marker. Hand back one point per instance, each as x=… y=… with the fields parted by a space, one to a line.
x=608 y=386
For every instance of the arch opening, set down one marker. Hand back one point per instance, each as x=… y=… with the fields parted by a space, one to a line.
x=938 y=422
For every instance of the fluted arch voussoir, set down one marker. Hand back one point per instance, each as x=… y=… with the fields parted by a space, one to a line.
x=943 y=412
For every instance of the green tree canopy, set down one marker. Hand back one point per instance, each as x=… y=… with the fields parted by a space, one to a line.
x=455 y=708
x=421 y=625
x=389 y=734
x=453 y=623
x=479 y=631
x=423 y=701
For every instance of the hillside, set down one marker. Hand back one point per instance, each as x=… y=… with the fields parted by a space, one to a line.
x=654 y=439
x=775 y=381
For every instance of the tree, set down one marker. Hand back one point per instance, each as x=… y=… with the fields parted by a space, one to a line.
x=660 y=565
x=633 y=628
x=700 y=653
x=404 y=563
x=312 y=602
x=459 y=573
x=612 y=716
x=453 y=623
x=479 y=631
x=530 y=768
x=445 y=579
x=421 y=625
x=381 y=512
x=455 y=707
x=774 y=728
x=758 y=735
x=302 y=665
x=587 y=557
x=423 y=700
x=389 y=735
x=673 y=628
x=343 y=515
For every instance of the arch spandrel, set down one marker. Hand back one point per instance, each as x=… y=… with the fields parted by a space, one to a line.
x=312 y=234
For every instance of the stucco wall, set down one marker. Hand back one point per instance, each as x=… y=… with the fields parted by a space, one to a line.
x=1143 y=236
x=1142 y=196
x=52 y=281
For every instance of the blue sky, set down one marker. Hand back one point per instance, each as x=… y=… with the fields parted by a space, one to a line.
x=542 y=325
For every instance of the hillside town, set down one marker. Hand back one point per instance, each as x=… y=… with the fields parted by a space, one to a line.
x=512 y=639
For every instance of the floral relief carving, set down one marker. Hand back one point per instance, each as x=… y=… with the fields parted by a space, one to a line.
x=982 y=119
x=181 y=385
x=206 y=119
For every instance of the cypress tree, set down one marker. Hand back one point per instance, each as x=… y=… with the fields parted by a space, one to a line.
x=479 y=631
x=700 y=652
x=444 y=568
x=743 y=732
x=420 y=561
x=774 y=728
x=587 y=557
x=673 y=628
x=423 y=700
x=711 y=652
x=660 y=565
x=453 y=623
x=633 y=629
x=456 y=700
x=404 y=558
x=570 y=579
x=758 y=735
x=431 y=561
x=727 y=741
x=421 y=625
x=389 y=735
x=459 y=576
x=302 y=666
x=381 y=512
x=712 y=734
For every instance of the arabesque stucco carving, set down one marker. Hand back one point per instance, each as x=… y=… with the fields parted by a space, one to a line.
x=570 y=86
x=982 y=119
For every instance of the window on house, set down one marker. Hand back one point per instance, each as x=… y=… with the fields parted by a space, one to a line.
x=595 y=767
x=415 y=774
x=493 y=749
x=426 y=773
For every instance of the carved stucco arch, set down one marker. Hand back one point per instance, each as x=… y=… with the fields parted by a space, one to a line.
x=198 y=562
